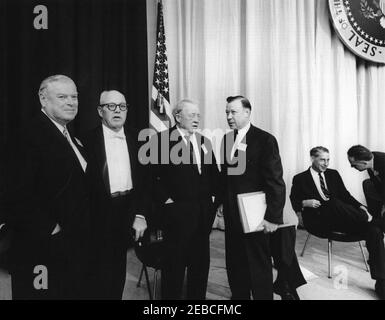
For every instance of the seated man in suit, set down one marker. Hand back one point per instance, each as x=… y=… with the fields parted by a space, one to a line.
x=363 y=159
x=327 y=205
x=116 y=198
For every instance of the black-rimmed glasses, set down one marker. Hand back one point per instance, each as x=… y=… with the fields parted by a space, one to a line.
x=113 y=106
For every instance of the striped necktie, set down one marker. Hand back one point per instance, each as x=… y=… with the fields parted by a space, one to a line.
x=323 y=187
x=82 y=161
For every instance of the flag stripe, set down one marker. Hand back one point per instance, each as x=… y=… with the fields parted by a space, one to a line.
x=156 y=122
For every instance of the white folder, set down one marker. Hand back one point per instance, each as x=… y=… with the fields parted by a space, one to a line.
x=252 y=208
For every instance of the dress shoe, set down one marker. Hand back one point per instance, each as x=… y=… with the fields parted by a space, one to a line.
x=283 y=289
x=380 y=289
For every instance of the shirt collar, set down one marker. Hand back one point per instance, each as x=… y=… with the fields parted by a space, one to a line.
x=113 y=134
x=313 y=172
x=242 y=132
x=183 y=135
x=58 y=125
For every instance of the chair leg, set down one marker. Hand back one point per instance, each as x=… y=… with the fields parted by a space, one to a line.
x=330 y=244
x=155 y=282
x=140 y=276
x=364 y=256
x=304 y=246
x=148 y=283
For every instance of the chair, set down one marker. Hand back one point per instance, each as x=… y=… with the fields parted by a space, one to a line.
x=336 y=236
x=149 y=251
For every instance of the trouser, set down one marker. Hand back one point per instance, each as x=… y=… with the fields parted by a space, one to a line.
x=248 y=265
x=113 y=237
x=282 y=243
x=375 y=204
x=49 y=272
x=336 y=215
x=191 y=255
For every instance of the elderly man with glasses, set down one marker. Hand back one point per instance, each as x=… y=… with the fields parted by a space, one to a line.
x=116 y=177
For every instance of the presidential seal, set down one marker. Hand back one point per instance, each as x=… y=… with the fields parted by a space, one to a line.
x=361 y=26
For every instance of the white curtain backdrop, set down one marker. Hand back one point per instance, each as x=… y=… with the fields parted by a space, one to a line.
x=305 y=87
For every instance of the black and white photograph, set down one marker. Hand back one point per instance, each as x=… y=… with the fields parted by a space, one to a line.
x=209 y=152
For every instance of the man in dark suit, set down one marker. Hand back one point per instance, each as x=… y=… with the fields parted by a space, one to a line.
x=47 y=200
x=363 y=159
x=183 y=185
x=252 y=163
x=116 y=195
x=327 y=205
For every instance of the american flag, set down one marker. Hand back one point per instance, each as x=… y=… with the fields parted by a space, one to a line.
x=160 y=114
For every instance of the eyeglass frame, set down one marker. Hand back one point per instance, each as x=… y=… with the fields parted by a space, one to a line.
x=115 y=105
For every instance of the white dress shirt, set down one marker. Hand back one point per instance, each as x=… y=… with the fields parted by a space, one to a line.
x=62 y=129
x=118 y=160
x=317 y=182
x=241 y=134
x=194 y=142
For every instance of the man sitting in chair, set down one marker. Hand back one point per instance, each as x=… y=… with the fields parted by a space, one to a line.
x=326 y=205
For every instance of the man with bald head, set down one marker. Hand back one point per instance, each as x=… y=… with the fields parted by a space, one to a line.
x=118 y=208
x=47 y=200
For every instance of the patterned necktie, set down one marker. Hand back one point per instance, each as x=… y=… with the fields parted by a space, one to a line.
x=323 y=187
x=191 y=148
x=82 y=161
x=67 y=135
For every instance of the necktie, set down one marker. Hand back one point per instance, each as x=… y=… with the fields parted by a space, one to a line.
x=83 y=162
x=234 y=149
x=323 y=187
x=67 y=135
x=191 y=148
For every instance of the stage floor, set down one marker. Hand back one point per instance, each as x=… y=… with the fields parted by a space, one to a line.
x=350 y=280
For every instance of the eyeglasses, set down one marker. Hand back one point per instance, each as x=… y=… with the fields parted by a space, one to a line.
x=113 y=106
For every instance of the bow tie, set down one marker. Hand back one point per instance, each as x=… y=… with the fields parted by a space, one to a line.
x=117 y=136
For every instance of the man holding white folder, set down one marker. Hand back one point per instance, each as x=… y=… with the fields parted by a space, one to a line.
x=252 y=164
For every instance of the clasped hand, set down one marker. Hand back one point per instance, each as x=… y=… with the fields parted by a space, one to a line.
x=311 y=203
x=139 y=225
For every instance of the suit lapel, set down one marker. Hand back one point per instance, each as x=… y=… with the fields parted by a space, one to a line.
x=185 y=148
x=61 y=139
x=100 y=152
x=132 y=153
x=311 y=184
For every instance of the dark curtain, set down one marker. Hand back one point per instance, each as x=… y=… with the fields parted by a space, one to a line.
x=100 y=44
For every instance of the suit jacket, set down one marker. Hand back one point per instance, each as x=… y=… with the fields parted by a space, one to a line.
x=304 y=188
x=191 y=192
x=261 y=170
x=98 y=172
x=379 y=166
x=46 y=186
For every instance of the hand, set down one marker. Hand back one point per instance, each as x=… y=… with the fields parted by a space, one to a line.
x=269 y=227
x=220 y=210
x=300 y=220
x=370 y=217
x=311 y=203
x=56 y=230
x=139 y=225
